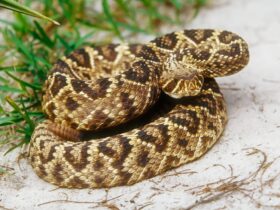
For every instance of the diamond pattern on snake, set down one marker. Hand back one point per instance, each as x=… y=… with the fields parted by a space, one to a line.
x=169 y=80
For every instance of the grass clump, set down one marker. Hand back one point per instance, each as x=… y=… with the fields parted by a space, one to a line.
x=30 y=46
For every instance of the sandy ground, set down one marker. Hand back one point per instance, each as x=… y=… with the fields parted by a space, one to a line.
x=240 y=172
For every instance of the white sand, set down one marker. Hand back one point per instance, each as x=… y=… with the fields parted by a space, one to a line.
x=253 y=100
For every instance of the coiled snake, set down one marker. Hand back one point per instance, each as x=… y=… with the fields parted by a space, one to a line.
x=100 y=88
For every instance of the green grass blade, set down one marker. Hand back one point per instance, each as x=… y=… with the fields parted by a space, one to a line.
x=20 y=45
x=13 y=68
x=20 y=111
x=26 y=84
x=132 y=28
x=110 y=18
x=5 y=88
x=10 y=120
x=82 y=39
x=17 y=7
x=178 y=4
x=42 y=35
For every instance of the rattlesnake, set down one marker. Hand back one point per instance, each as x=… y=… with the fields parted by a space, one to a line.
x=100 y=88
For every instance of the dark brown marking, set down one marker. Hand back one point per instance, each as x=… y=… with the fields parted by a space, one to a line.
x=50 y=156
x=190 y=153
x=143 y=159
x=81 y=57
x=79 y=85
x=108 y=151
x=206 y=100
x=86 y=76
x=154 y=93
x=126 y=101
x=139 y=72
x=211 y=84
x=32 y=158
x=221 y=105
x=172 y=161
x=135 y=48
x=77 y=183
x=198 y=35
x=50 y=110
x=163 y=138
x=125 y=177
x=42 y=171
x=183 y=142
x=42 y=145
x=227 y=37
x=160 y=141
x=149 y=173
x=232 y=52
x=192 y=122
x=98 y=91
x=211 y=126
x=98 y=179
x=60 y=66
x=148 y=53
x=97 y=165
x=199 y=54
x=82 y=86
x=168 y=41
x=106 y=69
x=103 y=84
x=58 y=84
x=81 y=161
x=180 y=121
x=71 y=104
x=125 y=151
x=142 y=135
x=206 y=140
x=108 y=51
x=57 y=172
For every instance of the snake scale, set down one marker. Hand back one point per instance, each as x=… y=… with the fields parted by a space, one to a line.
x=170 y=80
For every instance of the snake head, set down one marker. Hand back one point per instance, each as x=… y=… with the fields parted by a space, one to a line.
x=202 y=54
x=180 y=78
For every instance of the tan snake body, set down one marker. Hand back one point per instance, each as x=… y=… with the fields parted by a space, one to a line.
x=99 y=88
